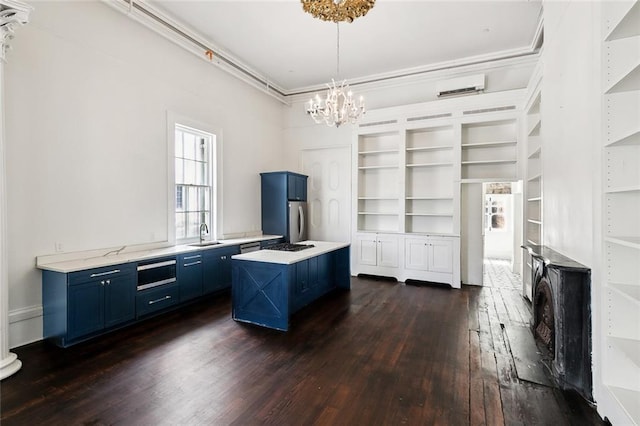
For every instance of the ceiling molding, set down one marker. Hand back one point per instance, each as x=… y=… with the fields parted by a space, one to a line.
x=189 y=40
x=197 y=44
x=427 y=76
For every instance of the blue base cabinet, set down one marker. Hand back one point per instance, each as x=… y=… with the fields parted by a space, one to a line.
x=81 y=304
x=266 y=294
x=216 y=271
x=189 y=275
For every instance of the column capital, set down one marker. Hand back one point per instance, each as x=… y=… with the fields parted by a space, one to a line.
x=12 y=14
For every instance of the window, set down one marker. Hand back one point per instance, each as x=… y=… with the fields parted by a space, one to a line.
x=495 y=213
x=194 y=182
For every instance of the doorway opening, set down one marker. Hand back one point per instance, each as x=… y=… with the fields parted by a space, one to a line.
x=502 y=235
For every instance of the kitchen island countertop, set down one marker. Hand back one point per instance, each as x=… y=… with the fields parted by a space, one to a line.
x=290 y=257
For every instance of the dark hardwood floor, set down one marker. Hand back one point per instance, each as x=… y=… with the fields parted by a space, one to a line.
x=383 y=353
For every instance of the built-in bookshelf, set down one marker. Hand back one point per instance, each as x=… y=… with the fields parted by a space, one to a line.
x=621 y=208
x=429 y=181
x=378 y=170
x=489 y=151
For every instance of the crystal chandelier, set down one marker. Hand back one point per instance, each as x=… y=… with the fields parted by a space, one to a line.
x=338 y=107
x=337 y=10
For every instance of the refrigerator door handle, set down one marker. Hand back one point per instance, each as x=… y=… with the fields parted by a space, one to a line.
x=301 y=221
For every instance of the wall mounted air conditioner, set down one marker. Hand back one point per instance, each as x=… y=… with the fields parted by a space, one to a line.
x=461 y=86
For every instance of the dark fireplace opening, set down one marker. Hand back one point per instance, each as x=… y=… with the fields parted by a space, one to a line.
x=544 y=323
x=561 y=324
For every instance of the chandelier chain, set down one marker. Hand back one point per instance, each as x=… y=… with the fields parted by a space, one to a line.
x=338 y=51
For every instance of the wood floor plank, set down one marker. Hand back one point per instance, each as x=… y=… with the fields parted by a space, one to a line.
x=383 y=353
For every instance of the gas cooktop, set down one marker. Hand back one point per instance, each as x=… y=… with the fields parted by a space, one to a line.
x=289 y=247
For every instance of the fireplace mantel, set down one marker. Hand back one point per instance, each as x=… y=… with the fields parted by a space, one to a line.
x=561 y=297
x=553 y=259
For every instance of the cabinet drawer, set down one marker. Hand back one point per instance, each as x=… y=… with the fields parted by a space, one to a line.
x=98 y=273
x=156 y=299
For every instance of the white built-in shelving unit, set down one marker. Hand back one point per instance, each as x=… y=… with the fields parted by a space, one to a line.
x=489 y=151
x=429 y=158
x=409 y=165
x=621 y=211
x=533 y=176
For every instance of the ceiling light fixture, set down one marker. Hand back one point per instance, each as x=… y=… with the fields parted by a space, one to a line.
x=337 y=10
x=338 y=107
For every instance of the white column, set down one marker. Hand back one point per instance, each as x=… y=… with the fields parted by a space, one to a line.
x=12 y=14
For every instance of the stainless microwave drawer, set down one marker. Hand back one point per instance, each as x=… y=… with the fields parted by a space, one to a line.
x=156 y=299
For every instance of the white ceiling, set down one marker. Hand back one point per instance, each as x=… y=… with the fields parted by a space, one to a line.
x=295 y=51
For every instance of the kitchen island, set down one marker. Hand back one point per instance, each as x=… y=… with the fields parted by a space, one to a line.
x=269 y=286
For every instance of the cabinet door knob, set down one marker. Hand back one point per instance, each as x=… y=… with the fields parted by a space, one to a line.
x=102 y=283
x=108 y=282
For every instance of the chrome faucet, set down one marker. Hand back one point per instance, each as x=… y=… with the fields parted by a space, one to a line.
x=203 y=229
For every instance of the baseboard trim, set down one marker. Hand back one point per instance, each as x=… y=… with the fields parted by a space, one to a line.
x=23 y=314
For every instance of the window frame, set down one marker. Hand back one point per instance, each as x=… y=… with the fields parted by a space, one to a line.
x=215 y=175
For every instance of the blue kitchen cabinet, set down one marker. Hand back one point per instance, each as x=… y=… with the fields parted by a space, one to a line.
x=216 y=271
x=277 y=189
x=296 y=187
x=266 y=293
x=81 y=304
x=189 y=275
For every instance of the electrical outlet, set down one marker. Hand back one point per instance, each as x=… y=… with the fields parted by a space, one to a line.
x=58 y=247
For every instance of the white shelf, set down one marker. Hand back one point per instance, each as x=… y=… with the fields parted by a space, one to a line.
x=629 y=290
x=488 y=179
x=429 y=198
x=377 y=167
x=628 y=399
x=631 y=139
x=620 y=189
x=629 y=25
x=430 y=165
x=532 y=242
x=488 y=144
x=534 y=127
x=478 y=162
x=632 y=242
x=378 y=214
x=431 y=214
x=379 y=151
x=535 y=222
x=626 y=83
x=377 y=198
x=429 y=148
x=535 y=153
x=535 y=177
x=534 y=199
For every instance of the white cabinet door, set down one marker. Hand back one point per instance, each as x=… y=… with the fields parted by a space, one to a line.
x=388 y=251
x=367 y=250
x=415 y=253
x=440 y=255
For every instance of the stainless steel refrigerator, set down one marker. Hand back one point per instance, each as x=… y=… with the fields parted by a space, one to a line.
x=297 y=221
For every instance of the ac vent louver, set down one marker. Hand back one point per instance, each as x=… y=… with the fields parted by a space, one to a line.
x=378 y=123
x=483 y=110
x=429 y=117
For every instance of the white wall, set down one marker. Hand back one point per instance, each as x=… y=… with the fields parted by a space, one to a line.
x=569 y=133
x=87 y=96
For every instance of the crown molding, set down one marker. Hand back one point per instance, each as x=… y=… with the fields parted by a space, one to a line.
x=192 y=41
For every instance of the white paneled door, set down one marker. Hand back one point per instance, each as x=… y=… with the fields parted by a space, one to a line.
x=328 y=193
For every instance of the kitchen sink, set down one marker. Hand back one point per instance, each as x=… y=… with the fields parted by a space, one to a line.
x=205 y=244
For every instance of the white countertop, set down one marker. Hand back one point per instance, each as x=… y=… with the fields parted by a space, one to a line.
x=81 y=264
x=289 y=257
